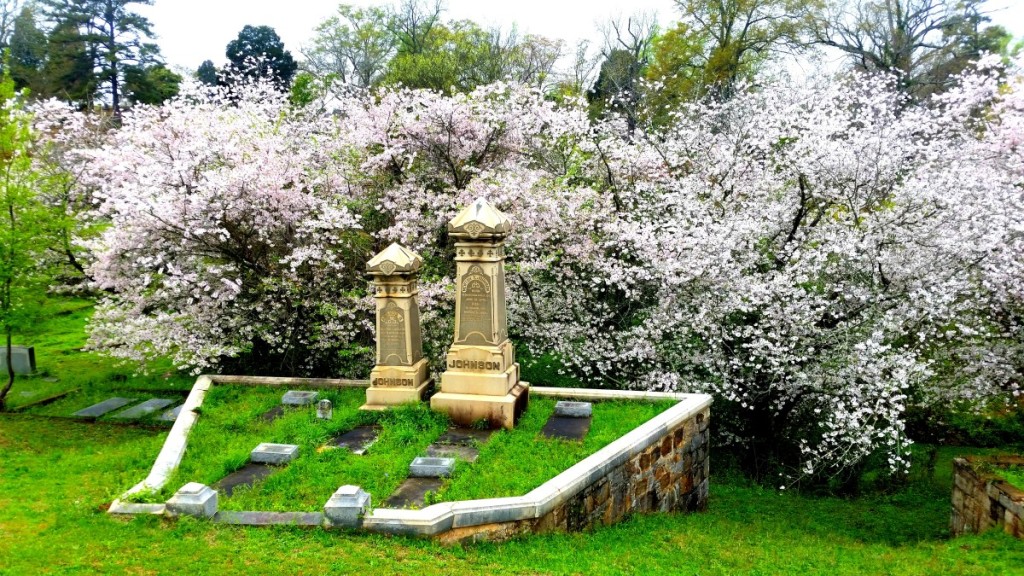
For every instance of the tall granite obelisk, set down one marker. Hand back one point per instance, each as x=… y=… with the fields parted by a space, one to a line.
x=481 y=378
x=400 y=374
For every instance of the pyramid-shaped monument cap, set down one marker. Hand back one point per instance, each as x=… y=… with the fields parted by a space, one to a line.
x=479 y=220
x=395 y=259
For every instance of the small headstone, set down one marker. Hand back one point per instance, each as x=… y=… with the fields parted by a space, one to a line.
x=427 y=467
x=346 y=506
x=325 y=410
x=144 y=409
x=298 y=398
x=171 y=415
x=275 y=454
x=51 y=379
x=569 y=409
x=97 y=410
x=194 y=499
x=23 y=358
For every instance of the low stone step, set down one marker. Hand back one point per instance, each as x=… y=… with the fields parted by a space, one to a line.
x=566 y=428
x=144 y=409
x=427 y=467
x=412 y=493
x=107 y=406
x=245 y=476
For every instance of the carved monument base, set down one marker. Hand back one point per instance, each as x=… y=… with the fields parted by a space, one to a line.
x=497 y=411
x=394 y=385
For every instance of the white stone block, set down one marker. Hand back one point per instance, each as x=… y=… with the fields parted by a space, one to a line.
x=427 y=467
x=568 y=409
x=193 y=499
x=298 y=398
x=347 y=506
x=276 y=454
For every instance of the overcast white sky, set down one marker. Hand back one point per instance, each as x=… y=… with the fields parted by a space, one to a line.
x=190 y=31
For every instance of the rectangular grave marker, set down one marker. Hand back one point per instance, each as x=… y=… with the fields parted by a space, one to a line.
x=23 y=358
x=97 y=410
x=299 y=397
x=144 y=409
x=277 y=454
x=428 y=467
x=171 y=415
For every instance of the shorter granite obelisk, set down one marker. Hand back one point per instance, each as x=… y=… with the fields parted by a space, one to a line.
x=481 y=378
x=400 y=374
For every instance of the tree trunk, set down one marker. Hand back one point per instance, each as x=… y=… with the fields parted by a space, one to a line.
x=10 y=372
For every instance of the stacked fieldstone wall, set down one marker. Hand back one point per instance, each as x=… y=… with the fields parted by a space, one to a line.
x=982 y=500
x=669 y=474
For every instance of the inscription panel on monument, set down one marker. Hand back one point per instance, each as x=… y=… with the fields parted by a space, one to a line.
x=475 y=314
x=391 y=336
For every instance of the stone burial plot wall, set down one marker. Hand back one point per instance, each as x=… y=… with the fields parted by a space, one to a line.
x=983 y=500
x=660 y=466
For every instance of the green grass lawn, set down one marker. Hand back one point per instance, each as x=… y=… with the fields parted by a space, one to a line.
x=57 y=476
x=511 y=463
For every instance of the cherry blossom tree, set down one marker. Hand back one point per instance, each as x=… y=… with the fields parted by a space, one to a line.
x=822 y=258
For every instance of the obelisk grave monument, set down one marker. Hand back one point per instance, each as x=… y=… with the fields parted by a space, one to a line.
x=481 y=378
x=400 y=374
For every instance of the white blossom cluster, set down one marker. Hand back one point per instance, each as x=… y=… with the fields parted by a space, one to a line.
x=824 y=256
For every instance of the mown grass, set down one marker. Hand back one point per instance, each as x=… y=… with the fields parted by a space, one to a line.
x=511 y=463
x=59 y=338
x=57 y=476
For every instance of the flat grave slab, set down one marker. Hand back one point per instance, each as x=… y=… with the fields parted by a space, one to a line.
x=568 y=409
x=412 y=492
x=465 y=436
x=270 y=518
x=97 y=410
x=277 y=454
x=457 y=451
x=272 y=414
x=428 y=467
x=243 y=477
x=299 y=397
x=144 y=409
x=563 y=428
x=171 y=415
x=358 y=440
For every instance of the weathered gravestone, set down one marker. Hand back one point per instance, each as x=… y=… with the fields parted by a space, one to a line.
x=324 y=409
x=23 y=359
x=481 y=378
x=400 y=374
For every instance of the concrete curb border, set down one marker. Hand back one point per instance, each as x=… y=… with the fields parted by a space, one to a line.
x=440 y=518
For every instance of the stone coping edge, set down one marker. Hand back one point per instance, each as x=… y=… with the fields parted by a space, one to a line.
x=442 y=517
